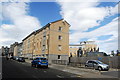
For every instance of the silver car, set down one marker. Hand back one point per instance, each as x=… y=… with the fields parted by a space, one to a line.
x=98 y=65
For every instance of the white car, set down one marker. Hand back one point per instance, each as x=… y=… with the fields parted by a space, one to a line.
x=98 y=65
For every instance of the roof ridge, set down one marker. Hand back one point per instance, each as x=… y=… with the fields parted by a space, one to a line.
x=47 y=25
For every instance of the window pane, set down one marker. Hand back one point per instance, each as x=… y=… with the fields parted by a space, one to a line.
x=43 y=58
x=59 y=56
x=59 y=37
x=59 y=47
x=60 y=28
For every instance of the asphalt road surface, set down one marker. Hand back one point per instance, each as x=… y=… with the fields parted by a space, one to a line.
x=14 y=69
x=111 y=73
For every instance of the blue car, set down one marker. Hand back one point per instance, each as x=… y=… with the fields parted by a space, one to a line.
x=40 y=61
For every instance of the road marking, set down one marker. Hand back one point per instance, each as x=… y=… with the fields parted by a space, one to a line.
x=35 y=68
x=35 y=77
x=25 y=70
x=59 y=76
x=79 y=76
x=45 y=71
x=73 y=76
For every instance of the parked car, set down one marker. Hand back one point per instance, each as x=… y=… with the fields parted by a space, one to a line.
x=7 y=58
x=40 y=61
x=96 y=64
x=11 y=57
x=16 y=58
x=21 y=59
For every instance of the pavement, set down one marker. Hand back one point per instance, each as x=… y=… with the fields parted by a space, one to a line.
x=82 y=72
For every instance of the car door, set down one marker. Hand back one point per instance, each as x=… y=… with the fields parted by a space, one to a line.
x=90 y=63
x=34 y=61
x=95 y=65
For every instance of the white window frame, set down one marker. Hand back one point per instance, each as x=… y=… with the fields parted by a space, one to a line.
x=59 y=47
x=60 y=37
x=60 y=28
x=59 y=57
x=43 y=48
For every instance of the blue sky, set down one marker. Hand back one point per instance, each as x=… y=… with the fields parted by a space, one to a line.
x=107 y=4
x=45 y=11
x=89 y=21
x=49 y=11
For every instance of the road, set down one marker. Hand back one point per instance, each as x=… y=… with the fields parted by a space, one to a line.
x=14 y=69
x=111 y=73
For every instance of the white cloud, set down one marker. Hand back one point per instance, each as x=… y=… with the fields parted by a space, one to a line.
x=87 y=0
x=0 y=12
x=85 y=15
x=109 y=29
x=22 y=23
x=114 y=10
x=105 y=45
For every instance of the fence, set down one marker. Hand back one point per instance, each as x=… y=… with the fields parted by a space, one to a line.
x=113 y=62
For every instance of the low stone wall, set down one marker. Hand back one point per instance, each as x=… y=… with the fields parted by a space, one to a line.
x=113 y=62
x=62 y=62
x=28 y=60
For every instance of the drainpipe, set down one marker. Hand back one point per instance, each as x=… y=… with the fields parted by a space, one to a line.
x=33 y=46
x=48 y=45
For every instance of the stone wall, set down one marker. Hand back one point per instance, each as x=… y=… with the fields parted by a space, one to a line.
x=113 y=62
x=54 y=59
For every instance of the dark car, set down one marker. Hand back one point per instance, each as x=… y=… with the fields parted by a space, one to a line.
x=96 y=64
x=11 y=57
x=14 y=57
x=21 y=59
x=40 y=61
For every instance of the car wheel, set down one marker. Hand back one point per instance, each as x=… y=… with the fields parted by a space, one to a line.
x=46 y=66
x=32 y=65
x=86 y=66
x=99 y=68
x=36 y=66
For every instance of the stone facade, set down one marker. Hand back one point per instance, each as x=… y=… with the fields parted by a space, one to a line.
x=5 y=51
x=51 y=41
x=18 y=49
x=89 y=46
x=11 y=50
x=2 y=50
x=73 y=50
x=83 y=49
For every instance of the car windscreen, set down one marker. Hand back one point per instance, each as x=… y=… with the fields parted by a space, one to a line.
x=89 y=62
x=99 y=62
x=43 y=58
